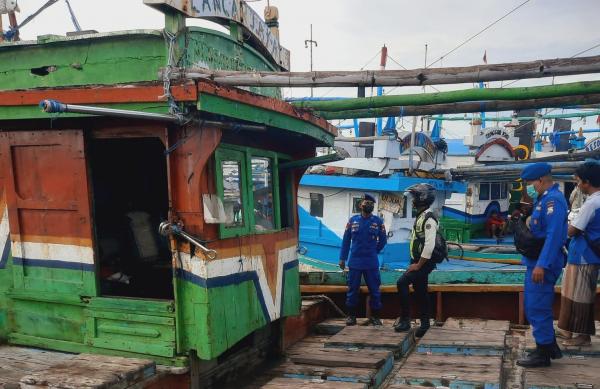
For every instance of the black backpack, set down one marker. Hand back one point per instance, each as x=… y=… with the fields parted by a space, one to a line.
x=526 y=244
x=440 y=251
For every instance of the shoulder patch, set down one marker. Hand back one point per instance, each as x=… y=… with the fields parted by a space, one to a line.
x=428 y=226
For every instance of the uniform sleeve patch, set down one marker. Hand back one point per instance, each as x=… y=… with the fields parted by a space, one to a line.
x=428 y=226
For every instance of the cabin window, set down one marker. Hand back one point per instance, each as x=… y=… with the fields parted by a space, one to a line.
x=484 y=191
x=232 y=193
x=262 y=193
x=250 y=188
x=316 y=204
x=495 y=190
x=504 y=194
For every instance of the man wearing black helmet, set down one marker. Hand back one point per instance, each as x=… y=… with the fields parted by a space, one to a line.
x=422 y=244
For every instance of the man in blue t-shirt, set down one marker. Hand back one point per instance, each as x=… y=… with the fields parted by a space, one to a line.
x=578 y=295
x=364 y=238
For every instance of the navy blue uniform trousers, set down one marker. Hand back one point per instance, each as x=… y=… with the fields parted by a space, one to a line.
x=373 y=280
x=538 y=305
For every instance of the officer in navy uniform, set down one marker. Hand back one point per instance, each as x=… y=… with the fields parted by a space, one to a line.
x=549 y=221
x=364 y=238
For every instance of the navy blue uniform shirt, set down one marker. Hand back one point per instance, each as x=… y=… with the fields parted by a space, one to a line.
x=549 y=221
x=364 y=238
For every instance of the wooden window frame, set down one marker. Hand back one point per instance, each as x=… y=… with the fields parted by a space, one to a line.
x=245 y=155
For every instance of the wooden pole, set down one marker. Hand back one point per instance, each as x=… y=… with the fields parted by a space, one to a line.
x=413 y=77
x=463 y=107
x=525 y=93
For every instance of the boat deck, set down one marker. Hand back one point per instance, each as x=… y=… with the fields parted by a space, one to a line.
x=30 y=368
x=462 y=353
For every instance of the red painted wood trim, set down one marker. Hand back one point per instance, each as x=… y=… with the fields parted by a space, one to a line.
x=132 y=93
x=498 y=141
x=269 y=103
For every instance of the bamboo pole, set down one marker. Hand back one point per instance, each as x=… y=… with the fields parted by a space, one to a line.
x=507 y=119
x=413 y=77
x=463 y=107
x=524 y=93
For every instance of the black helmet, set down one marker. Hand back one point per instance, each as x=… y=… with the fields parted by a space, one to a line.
x=423 y=194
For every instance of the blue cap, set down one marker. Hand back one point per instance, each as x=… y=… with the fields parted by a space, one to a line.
x=536 y=171
x=368 y=197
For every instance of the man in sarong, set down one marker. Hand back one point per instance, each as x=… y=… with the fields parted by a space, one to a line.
x=581 y=275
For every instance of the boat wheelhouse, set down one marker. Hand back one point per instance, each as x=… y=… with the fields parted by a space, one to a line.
x=83 y=266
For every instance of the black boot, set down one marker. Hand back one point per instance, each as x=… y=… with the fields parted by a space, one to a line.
x=540 y=357
x=402 y=324
x=555 y=352
x=351 y=319
x=423 y=327
x=374 y=319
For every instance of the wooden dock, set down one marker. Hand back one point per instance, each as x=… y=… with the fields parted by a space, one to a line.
x=28 y=368
x=461 y=354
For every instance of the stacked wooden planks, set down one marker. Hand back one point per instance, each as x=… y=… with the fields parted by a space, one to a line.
x=310 y=360
x=464 y=353
x=374 y=338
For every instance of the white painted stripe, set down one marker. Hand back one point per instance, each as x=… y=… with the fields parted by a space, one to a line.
x=4 y=228
x=53 y=252
x=229 y=266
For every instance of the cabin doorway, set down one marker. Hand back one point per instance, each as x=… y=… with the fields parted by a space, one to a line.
x=129 y=181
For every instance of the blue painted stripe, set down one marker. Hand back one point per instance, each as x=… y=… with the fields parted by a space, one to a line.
x=51 y=264
x=393 y=183
x=5 y=252
x=232 y=279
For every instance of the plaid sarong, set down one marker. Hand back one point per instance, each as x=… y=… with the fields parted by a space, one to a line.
x=577 y=299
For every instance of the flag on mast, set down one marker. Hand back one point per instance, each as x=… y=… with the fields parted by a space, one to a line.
x=485 y=57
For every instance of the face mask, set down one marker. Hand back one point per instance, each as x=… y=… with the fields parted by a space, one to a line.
x=531 y=192
x=367 y=208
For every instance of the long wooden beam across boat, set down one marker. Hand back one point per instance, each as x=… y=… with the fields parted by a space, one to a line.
x=412 y=77
x=463 y=107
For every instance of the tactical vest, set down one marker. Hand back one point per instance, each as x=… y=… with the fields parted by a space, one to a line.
x=417 y=238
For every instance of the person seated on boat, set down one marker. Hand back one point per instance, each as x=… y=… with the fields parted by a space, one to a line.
x=422 y=245
x=495 y=225
x=547 y=224
x=364 y=238
x=578 y=294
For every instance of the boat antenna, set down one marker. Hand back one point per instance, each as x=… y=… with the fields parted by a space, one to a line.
x=306 y=43
x=73 y=18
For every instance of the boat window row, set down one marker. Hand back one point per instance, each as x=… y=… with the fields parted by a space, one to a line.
x=255 y=198
x=493 y=191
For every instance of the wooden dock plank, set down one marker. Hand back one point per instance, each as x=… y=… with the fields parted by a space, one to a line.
x=331 y=357
x=333 y=326
x=593 y=350
x=370 y=337
x=91 y=371
x=477 y=324
x=566 y=373
x=459 y=341
x=458 y=371
x=296 y=383
x=358 y=366
x=16 y=362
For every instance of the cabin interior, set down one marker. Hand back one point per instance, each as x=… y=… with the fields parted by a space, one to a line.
x=130 y=199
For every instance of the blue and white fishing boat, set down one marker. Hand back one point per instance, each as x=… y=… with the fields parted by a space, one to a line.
x=329 y=195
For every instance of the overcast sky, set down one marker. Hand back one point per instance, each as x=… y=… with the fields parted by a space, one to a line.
x=351 y=32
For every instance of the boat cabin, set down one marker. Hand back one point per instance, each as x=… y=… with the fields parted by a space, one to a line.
x=83 y=266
